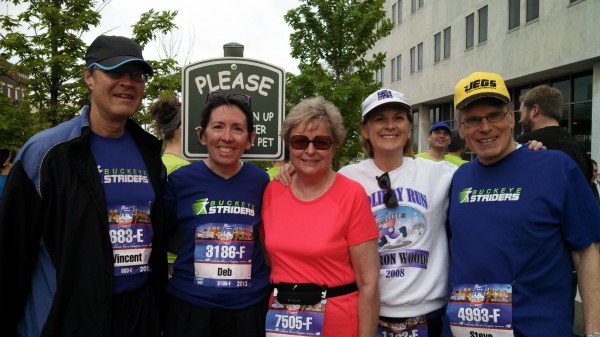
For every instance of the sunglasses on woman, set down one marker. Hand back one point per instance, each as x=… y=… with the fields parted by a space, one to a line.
x=299 y=142
x=390 y=199
x=240 y=98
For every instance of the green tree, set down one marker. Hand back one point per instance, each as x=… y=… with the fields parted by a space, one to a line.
x=46 y=38
x=331 y=39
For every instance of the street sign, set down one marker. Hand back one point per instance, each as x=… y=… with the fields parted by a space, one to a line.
x=262 y=81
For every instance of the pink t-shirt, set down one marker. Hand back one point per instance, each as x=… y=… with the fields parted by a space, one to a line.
x=308 y=242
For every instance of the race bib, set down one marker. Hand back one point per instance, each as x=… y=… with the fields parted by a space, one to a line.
x=481 y=310
x=409 y=327
x=131 y=236
x=284 y=320
x=223 y=255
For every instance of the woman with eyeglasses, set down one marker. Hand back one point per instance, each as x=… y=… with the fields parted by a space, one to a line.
x=408 y=198
x=320 y=236
x=220 y=282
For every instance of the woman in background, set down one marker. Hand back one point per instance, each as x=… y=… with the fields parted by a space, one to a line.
x=166 y=112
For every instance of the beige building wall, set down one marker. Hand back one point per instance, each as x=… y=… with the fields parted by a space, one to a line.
x=563 y=40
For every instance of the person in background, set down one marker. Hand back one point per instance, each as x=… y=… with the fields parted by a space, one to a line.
x=220 y=282
x=166 y=113
x=6 y=160
x=519 y=221
x=541 y=110
x=595 y=182
x=81 y=235
x=320 y=235
x=439 y=139
x=456 y=149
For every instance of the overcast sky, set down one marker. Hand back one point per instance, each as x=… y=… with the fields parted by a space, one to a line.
x=205 y=26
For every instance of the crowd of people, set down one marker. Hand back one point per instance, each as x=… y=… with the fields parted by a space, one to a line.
x=395 y=245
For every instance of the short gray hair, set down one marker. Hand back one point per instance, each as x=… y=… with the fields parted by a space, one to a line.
x=310 y=112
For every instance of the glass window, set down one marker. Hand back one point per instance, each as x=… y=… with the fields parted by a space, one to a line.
x=582 y=88
x=393 y=70
x=533 y=10
x=420 y=49
x=483 y=24
x=413 y=6
x=399 y=11
x=514 y=13
x=437 y=49
x=564 y=86
x=398 y=67
x=394 y=14
x=447 y=33
x=470 y=30
x=421 y=3
x=581 y=126
x=412 y=60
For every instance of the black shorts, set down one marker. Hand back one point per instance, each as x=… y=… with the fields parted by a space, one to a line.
x=185 y=319
x=135 y=314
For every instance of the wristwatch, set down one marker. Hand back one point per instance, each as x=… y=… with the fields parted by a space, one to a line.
x=593 y=334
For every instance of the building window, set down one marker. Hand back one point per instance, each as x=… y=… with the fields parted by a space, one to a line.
x=421 y=3
x=470 y=30
x=437 y=49
x=398 y=67
x=533 y=10
x=447 y=34
x=514 y=13
x=379 y=75
x=483 y=24
x=412 y=60
x=394 y=14
x=399 y=11
x=413 y=6
x=420 y=50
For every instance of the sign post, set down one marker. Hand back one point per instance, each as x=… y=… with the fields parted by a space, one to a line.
x=262 y=81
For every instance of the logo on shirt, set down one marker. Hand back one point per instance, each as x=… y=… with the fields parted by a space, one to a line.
x=498 y=194
x=123 y=175
x=204 y=206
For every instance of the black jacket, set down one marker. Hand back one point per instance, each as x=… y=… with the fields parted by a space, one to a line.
x=54 y=210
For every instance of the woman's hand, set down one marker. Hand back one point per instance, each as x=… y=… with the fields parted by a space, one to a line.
x=284 y=176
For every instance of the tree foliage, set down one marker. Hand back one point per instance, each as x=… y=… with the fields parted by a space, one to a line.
x=46 y=37
x=332 y=39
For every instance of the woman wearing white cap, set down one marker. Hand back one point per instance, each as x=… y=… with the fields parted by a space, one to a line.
x=409 y=199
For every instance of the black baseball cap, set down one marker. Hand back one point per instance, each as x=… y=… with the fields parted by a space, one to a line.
x=110 y=52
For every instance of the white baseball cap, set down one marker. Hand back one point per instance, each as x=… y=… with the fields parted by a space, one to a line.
x=384 y=96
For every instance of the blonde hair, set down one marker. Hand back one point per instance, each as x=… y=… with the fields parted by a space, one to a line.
x=311 y=112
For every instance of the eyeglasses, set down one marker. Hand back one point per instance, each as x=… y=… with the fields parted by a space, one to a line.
x=118 y=73
x=240 y=98
x=390 y=199
x=299 y=142
x=492 y=117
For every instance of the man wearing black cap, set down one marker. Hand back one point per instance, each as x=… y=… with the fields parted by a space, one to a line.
x=518 y=222
x=81 y=240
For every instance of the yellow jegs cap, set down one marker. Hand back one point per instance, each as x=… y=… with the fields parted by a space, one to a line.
x=479 y=85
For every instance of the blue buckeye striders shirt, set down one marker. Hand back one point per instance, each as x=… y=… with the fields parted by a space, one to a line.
x=129 y=198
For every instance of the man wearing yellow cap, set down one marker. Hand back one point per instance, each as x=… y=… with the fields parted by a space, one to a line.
x=518 y=221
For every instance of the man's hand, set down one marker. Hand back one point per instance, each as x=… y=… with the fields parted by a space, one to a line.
x=535 y=145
